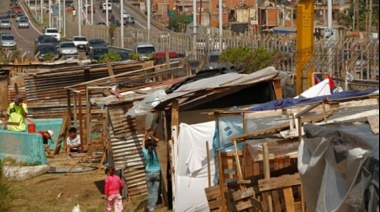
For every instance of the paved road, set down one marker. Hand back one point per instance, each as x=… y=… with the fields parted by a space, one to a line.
x=26 y=37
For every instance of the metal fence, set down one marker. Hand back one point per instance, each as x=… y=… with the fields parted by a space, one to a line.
x=349 y=56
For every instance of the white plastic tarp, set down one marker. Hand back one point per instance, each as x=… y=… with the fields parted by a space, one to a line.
x=320 y=89
x=191 y=172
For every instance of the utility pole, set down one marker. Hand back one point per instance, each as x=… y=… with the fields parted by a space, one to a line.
x=370 y=18
x=64 y=18
x=220 y=26
x=49 y=9
x=107 y=13
x=122 y=23
x=92 y=12
x=195 y=28
x=149 y=8
x=79 y=17
x=42 y=12
x=59 y=17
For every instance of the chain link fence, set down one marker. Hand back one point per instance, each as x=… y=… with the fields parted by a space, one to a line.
x=352 y=56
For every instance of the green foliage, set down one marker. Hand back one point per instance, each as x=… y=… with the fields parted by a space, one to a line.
x=252 y=59
x=6 y=194
x=48 y=57
x=345 y=18
x=178 y=22
x=134 y=56
x=111 y=57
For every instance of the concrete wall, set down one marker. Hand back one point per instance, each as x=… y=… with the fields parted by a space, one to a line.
x=22 y=147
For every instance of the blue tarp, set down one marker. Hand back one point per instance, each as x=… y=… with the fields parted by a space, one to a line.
x=285 y=103
x=283 y=30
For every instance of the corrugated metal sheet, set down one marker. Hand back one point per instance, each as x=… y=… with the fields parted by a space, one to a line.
x=127 y=149
x=44 y=89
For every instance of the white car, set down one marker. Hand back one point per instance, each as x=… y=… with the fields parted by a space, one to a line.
x=80 y=42
x=107 y=7
x=52 y=32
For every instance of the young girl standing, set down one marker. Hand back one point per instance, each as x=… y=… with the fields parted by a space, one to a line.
x=112 y=190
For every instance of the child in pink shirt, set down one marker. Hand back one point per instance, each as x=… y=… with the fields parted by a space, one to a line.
x=112 y=190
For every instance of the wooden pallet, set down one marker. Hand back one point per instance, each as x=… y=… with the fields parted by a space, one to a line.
x=214 y=198
x=281 y=193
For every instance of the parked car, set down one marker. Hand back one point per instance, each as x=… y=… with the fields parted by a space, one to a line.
x=46 y=51
x=97 y=52
x=80 y=41
x=11 y=14
x=5 y=24
x=91 y=10
x=16 y=9
x=52 y=32
x=23 y=23
x=51 y=40
x=67 y=49
x=94 y=43
x=39 y=39
x=7 y=40
x=130 y=20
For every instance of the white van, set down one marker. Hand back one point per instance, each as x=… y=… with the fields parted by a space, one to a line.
x=144 y=49
x=107 y=7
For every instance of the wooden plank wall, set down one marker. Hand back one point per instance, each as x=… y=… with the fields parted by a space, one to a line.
x=127 y=150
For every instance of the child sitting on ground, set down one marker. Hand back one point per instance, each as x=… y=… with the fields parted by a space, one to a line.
x=73 y=142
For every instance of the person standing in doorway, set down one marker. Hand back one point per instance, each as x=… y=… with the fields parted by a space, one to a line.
x=112 y=187
x=16 y=114
x=152 y=168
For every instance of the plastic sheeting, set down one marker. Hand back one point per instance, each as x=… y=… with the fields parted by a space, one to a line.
x=191 y=176
x=147 y=104
x=285 y=103
x=339 y=168
x=320 y=89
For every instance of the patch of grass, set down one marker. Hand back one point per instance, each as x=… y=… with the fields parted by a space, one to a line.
x=8 y=161
x=6 y=194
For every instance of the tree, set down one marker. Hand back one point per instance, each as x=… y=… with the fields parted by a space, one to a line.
x=178 y=22
x=346 y=18
x=252 y=59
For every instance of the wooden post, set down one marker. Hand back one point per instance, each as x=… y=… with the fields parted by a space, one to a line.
x=267 y=172
x=221 y=182
x=76 y=109
x=174 y=135
x=68 y=105
x=88 y=117
x=208 y=165
x=81 y=128
x=110 y=71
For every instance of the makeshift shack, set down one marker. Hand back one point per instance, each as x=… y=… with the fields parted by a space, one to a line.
x=261 y=173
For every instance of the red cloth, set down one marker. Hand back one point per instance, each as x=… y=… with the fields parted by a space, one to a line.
x=113 y=185
x=43 y=136
x=331 y=82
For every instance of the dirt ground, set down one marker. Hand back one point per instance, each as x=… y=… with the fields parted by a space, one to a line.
x=54 y=192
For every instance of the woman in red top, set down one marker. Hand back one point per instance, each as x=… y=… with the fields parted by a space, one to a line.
x=112 y=190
